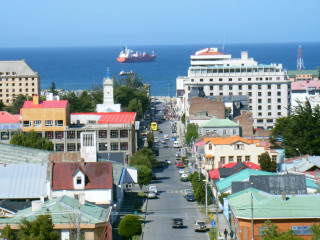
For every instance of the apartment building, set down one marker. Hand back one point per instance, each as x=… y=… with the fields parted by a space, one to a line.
x=265 y=85
x=16 y=77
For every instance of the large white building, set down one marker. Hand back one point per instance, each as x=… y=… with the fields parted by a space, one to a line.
x=266 y=86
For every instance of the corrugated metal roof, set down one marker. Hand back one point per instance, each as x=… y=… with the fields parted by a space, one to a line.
x=46 y=104
x=293 y=73
x=113 y=117
x=215 y=122
x=19 y=181
x=6 y=117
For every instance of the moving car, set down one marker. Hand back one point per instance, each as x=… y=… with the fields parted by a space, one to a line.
x=186 y=191
x=184 y=177
x=156 y=139
x=200 y=225
x=152 y=195
x=168 y=161
x=153 y=188
x=190 y=197
x=166 y=137
x=177 y=222
x=180 y=165
x=162 y=141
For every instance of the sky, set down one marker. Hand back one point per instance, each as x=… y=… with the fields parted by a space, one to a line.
x=39 y=23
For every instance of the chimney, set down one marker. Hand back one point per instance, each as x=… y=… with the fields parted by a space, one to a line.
x=284 y=196
x=251 y=139
x=293 y=193
x=35 y=99
x=36 y=205
x=82 y=162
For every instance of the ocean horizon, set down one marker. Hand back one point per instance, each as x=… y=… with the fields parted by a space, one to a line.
x=74 y=68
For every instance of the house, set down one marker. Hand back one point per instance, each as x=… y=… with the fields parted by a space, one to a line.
x=65 y=213
x=222 y=150
x=231 y=168
x=250 y=208
x=8 y=121
x=92 y=181
x=8 y=208
x=27 y=181
x=220 y=128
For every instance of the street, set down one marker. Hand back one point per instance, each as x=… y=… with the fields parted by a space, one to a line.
x=170 y=202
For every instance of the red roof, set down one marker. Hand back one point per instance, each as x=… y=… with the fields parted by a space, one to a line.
x=214 y=174
x=98 y=175
x=46 y=104
x=113 y=117
x=303 y=85
x=211 y=53
x=6 y=117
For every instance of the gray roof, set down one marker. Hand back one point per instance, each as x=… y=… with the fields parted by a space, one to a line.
x=16 y=68
x=226 y=172
x=23 y=181
x=118 y=157
x=14 y=206
x=274 y=184
x=240 y=101
x=18 y=154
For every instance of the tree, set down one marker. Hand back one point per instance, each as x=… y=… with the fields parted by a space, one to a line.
x=83 y=102
x=270 y=231
x=183 y=118
x=192 y=133
x=144 y=175
x=301 y=130
x=52 y=89
x=31 y=139
x=222 y=196
x=7 y=233
x=199 y=188
x=17 y=104
x=2 y=106
x=315 y=231
x=41 y=229
x=129 y=226
x=150 y=140
x=266 y=164
x=144 y=156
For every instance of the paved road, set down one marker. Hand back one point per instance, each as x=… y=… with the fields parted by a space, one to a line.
x=171 y=202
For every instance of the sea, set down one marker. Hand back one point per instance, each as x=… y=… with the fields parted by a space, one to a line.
x=74 y=68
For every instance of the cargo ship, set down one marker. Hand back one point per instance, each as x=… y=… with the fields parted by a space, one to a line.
x=127 y=56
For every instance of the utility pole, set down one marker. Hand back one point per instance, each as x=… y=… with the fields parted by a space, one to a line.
x=217 y=215
x=206 y=195
x=252 y=232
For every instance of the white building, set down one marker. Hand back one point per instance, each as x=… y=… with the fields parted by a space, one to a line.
x=266 y=86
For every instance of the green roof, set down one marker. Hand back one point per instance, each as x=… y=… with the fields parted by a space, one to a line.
x=240 y=177
x=63 y=210
x=293 y=73
x=215 y=122
x=268 y=206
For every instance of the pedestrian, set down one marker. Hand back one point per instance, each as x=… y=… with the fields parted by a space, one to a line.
x=231 y=234
x=225 y=234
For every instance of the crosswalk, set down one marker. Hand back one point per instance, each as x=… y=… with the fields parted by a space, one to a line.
x=174 y=191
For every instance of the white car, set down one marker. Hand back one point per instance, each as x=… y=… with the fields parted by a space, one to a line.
x=156 y=139
x=166 y=137
x=152 y=195
x=186 y=191
x=181 y=171
x=153 y=189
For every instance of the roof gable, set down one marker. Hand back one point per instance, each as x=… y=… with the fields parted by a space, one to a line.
x=46 y=104
x=6 y=117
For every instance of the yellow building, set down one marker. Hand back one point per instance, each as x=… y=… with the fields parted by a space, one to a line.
x=222 y=150
x=16 y=77
x=47 y=116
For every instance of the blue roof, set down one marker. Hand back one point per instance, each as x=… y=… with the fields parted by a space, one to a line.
x=107 y=74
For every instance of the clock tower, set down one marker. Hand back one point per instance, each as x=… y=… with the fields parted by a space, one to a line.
x=108 y=89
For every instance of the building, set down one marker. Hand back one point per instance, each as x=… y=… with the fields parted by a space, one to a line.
x=230 y=169
x=305 y=90
x=8 y=121
x=222 y=150
x=303 y=75
x=67 y=214
x=218 y=74
x=220 y=128
x=16 y=77
x=289 y=212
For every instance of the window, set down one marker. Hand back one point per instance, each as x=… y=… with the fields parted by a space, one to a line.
x=201 y=79
x=78 y=146
x=123 y=133
x=103 y=133
x=259 y=100
x=259 y=87
x=279 y=100
x=123 y=146
x=220 y=79
x=224 y=132
x=240 y=87
x=71 y=147
x=59 y=135
x=103 y=146
x=79 y=180
x=279 y=107
x=238 y=146
x=279 y=113
x=37 y=123
x=278 y=93
x=269 y=100
x=239 y=79
x=278 y=86
x=234 y=132
x=274 y=158
x=269 y=107
x=302 y=230
x=59 y=123
x=249 y=79
x=210 y=146
x=230 y=87
x=230 y=159
x=88 y=139
x=114 y=146
x=59 y=147
x=259 y=94
x=220 y=88
x=192 y=80
x=211 y=79
x=26 y=123
x=71 y=134
x=223 y=160
x=269 y=94
x=211 y=88
x=49 y=135
x=48 y=123
x=230 y=79
x=259 y=107
x=114 y=133
x=79 y=134
x=239 y=158
x=269 y=86
x=247 y=158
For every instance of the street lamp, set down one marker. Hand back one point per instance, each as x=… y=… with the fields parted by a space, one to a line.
x=206 y=195
x=298 y=151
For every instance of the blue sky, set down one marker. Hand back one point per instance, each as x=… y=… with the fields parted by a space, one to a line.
x=38 y=23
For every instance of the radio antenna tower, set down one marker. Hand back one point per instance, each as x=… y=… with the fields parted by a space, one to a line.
x=300 y=64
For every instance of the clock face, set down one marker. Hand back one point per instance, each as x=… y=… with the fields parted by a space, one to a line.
x=108 y=91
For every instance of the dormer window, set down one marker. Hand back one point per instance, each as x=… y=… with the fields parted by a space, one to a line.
x=79 y=180
x=210 y=146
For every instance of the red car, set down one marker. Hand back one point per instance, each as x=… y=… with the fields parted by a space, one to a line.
x=180 y=165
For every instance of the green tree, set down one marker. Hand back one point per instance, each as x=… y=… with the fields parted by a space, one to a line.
x=270 y=231
x=266 y=164
x=192 y=133
x=97 y=94
x=315 y=231
x=150 y=139
x=222 y=196
x=7 y=233
x=17 y=104
x=300 y=130
x=199 y=188
x=144 y=176
x=41 y=229
x=183 y=118
x=2 y=106
x=130 y=226
x=31 y=139
x=138 y=159
x=84 y=102
x=52 y=89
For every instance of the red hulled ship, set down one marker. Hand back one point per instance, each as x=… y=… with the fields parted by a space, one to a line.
x=127 y=56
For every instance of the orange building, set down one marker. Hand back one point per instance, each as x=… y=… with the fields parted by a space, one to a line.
x=45 y=115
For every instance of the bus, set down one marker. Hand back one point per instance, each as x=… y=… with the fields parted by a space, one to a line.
x=154 y=126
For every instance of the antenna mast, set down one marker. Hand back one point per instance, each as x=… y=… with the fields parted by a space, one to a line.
x=300 y=64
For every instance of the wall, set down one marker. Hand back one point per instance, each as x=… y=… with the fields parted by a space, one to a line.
x=98 y=196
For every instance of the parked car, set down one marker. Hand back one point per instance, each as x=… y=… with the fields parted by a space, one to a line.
x=166 y=137
x=186 y=191
x=153 y=188
x=156 y=139
x=152 y=195
x=181 y=171
x=168 y=161
x=156 y=145
x=177 y=222
x=200 y=225
x=190 y=197
x=165 y=145
x=162 y=140
x=154 y=176
x=184 y=177
x=160 y=131
x=180 y=165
